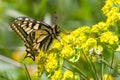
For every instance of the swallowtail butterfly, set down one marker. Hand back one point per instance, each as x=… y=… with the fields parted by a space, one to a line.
x=36 y=35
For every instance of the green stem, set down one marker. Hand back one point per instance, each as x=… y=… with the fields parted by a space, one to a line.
x=112 y=62
x=105 y=62
x=102 y=71
x=94 y=69
x=74 y=66
x=91 y=66
x=27 y=72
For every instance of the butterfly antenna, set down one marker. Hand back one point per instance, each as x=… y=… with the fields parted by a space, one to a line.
x=54 y=19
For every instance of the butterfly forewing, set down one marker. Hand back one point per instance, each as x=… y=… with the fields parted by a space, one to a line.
x=36 y=35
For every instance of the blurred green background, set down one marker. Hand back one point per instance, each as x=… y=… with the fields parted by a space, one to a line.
x=70 y=15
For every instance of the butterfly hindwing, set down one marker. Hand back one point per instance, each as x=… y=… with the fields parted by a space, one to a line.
x=36 y=35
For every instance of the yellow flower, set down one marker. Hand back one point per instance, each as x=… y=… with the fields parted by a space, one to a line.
x=67 y=51
x=79 y=40
x=95 y=28
x=51 y=62
x=112 y=11
x=57 y=75
x=68 y=75
x=113 y=40
x=101 y=26
x=85 y=29
x=107 y=6
x=76 y=37
x=91 y=42
x=108 y=37
x=56 y=44
x=40 y=70
x=66 y=39
x=107 y=77
x=40 y=59
x=77 y=32
x=113 y=16
x=117 y=2
x=105 y=36
x=85 y=48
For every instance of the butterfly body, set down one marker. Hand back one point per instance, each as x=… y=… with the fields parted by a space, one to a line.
x=36 y=35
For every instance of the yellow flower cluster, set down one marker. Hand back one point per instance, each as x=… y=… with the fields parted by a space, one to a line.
x=40 y=60
x=99 y=28
x=57 y=75
x=111 y=11
x=57 y=44
x=47 y=62
x=51 y=62
x=84 y=40
x=79 y=36
x=68 y=75
x=91 y=42
x=67 y=51
x=108 y=37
